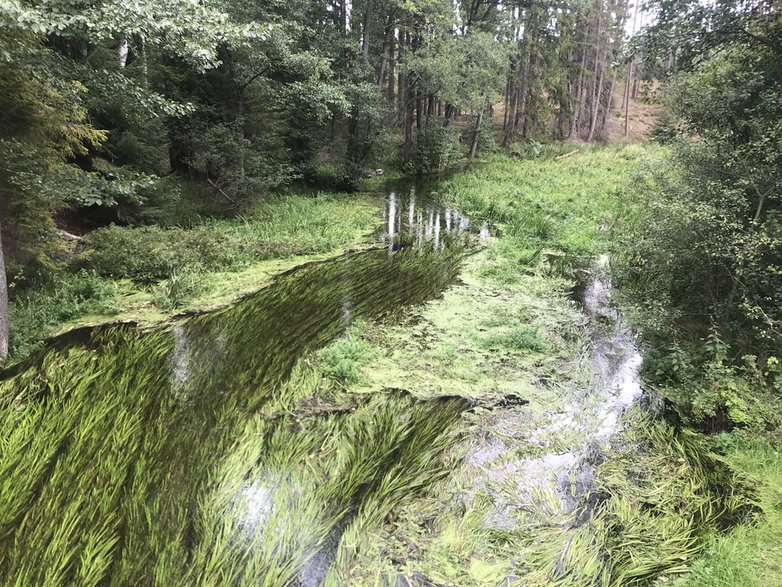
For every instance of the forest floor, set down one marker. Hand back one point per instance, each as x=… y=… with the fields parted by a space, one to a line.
x=642 y=114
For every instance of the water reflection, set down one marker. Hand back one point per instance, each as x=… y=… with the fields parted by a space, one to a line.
x=426 y=221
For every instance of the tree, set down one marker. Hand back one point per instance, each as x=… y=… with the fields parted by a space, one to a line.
x=46 y=139
x=706 y=260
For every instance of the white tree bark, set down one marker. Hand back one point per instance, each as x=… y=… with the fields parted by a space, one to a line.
x=123 y=52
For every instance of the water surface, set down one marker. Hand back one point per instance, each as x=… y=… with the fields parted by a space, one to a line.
x=214 y=451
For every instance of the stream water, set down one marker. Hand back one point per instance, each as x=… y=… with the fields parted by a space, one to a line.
x=213 y=451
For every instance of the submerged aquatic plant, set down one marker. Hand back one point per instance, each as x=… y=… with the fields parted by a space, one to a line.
x=659 y=494
x=178 y=457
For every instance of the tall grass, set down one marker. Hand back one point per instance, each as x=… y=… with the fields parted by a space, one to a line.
x=299 y=225
x=34 y=312
x=543 y=206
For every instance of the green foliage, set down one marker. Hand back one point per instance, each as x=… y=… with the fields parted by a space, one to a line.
x=189 y=31
x=709 y=389
x=520 y=338
x=180 y=286
x=344 y=359
x=34 y=313
x=436 y=146
x=150 y=253
x=238 y=164
x=705 y=253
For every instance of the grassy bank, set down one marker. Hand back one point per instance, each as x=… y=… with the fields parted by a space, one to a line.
x=510 y=338
x=750 y=555
x=147 y=274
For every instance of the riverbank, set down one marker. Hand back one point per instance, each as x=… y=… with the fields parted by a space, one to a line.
x=147 y=275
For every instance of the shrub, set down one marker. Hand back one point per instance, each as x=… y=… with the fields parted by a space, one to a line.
x=66 y=296
x=436 y=147
x=149 y=253
x=344 y=359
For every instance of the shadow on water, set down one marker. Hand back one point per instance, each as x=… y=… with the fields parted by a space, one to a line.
x=145 y=457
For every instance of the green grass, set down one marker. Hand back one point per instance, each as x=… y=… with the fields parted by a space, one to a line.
x=35 y=312
x=558 y=213
x=291 y=225
x=751 y=554
x=278 y=234
x=345 y=359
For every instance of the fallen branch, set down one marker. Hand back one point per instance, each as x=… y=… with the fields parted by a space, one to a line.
x=566 y=155
x=68 y=236
x=219 y=189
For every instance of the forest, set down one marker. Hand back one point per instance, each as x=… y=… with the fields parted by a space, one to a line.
x=390 y=292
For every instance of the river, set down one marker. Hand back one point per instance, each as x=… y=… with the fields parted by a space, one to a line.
x=213 y=452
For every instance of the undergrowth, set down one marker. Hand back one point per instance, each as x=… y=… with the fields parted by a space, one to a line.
x=61 y=297
x=172 y=266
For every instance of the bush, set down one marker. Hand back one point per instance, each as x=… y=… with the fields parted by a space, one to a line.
x=344 y=359
x=710 y=388
x=436 y=147
x=149 y=253
x=67 y=296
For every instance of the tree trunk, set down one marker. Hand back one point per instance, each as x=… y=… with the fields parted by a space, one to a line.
x=627 y=98
x=598 y=81
x=629 y=77
x=506 y=105
x=144 y=61
x=418 y=107
x=391 y=64
x=596 y=105
x=476 y=134
x=367 y=25
x=573 y=134
x=122 y=52
x=511 y=124
x=408 y=124
x=3 y=306
x=626 y=93
x=609 y=101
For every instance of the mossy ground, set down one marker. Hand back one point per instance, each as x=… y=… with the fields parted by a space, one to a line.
x=481 y=340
